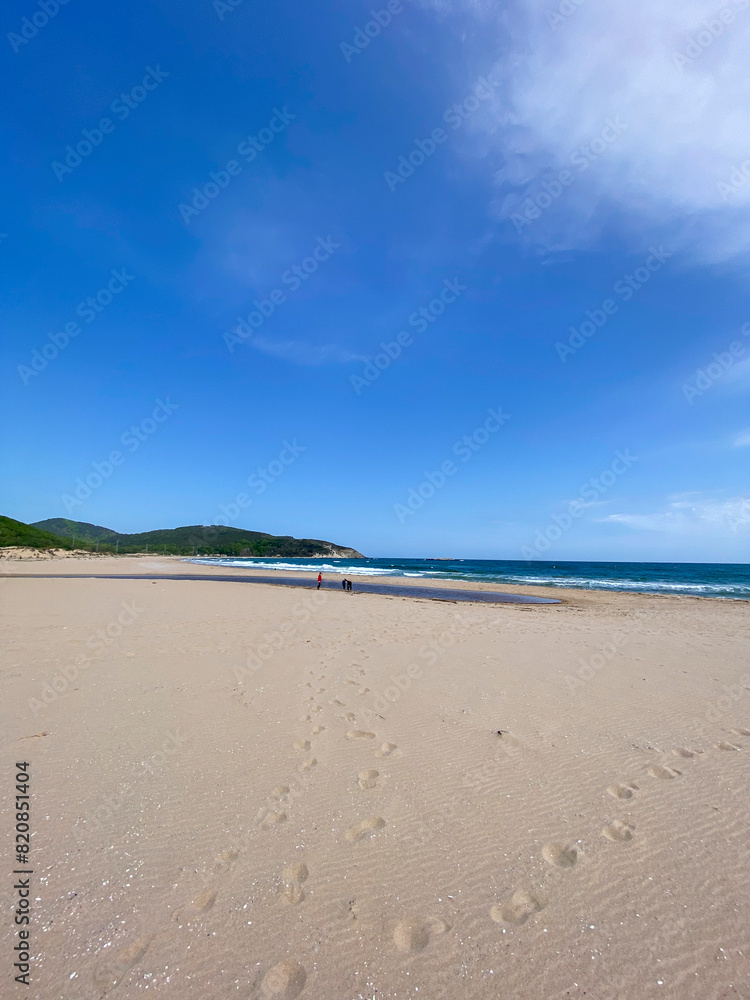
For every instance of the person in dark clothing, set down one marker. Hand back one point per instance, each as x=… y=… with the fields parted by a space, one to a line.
x=343 y=584
x=348 y=584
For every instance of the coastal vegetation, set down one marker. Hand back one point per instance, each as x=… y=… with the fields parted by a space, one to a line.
x=197 y=539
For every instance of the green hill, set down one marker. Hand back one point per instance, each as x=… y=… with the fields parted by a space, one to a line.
x=196 y=539
x=17 y=533
x=82 y=531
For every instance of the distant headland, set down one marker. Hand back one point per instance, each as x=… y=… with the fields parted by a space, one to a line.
x=196 y=539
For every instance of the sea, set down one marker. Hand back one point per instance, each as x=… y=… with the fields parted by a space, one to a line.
x=719 y=580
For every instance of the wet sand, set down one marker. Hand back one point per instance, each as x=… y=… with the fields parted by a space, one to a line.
x=405 y=590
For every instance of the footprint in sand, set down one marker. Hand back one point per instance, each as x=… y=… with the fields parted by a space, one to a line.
x=273 y=819
x=509 y=739
x=619 y=831
x=204 y=902
x=226 y=859
x=741 y=732
x=415 y=933
x=292 y=893
x=306 y=765
x=302 y=745
x=365 y=829
x=293 y=876
x=195 y=909
x=658 y=771
x=285 y=980
x=368 y=779
x=359 y=734
x=624 y=790
x=280 y=791
x=335 y=701
x=318 y=730
x=517 y=909
x=348 y=717
x=111 y=970
x=684 y=752
x=557 y=854
x=725 y=745
x=132 y=953
x=295 y=873
x=305 y=718
x=386 y=750
x=342 y=910
x=363 y=691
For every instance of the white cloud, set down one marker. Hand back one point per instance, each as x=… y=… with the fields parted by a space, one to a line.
x=691 y=517
x=742 y=440
x=688 y=126
x=647 y=522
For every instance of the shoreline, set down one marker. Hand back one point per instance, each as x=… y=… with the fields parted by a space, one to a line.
x=381 y=588
x=106 y=564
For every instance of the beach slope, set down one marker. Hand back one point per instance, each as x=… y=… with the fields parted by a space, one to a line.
x=258 y=791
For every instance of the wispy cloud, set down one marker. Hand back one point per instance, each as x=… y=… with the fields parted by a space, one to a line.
x=586 y=503
x=687 y=117
x=738 y=376
x=668 y=521
x=688 y=516
x=742 y=440
x=299 y=352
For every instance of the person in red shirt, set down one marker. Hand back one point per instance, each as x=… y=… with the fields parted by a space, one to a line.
x=320 y=580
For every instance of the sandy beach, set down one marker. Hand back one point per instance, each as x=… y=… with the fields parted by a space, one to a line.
x=255 y=791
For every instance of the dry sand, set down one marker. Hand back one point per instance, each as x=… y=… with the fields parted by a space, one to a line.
x=253 y=791
x=14 y=553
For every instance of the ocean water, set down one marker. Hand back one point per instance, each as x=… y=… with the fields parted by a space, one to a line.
x=725 y=580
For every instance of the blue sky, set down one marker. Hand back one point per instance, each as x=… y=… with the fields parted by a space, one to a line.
x=556 y=170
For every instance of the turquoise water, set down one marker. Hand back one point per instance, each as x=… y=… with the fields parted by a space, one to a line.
x=727 y=580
